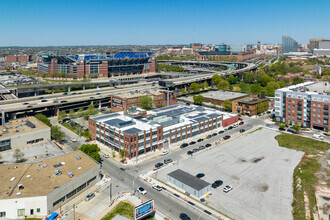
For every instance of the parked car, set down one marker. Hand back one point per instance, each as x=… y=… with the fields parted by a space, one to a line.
x=318 y=136
x=165 y=152
x=106 y=156
x=141 y=190
x=227 y=188
x=157 y=187
x=73 y=139
x=158 y=165
x=89 y=196
x=292 y=131
x=65 y=93
x=184 y=216
x=242 y=130
x=281 y=129
x=220 y=132
x=230 y=127
x=241 y=123
x=166 y=161
x=201 y=147
x=208 y=145
x=200 y=175
x=269 y=125
x=202 y=200
x=209 y=136
x=184 y=145
x=44 y=100
x=190 y=152
x=219 y=182
x=226 y=137
x=235 y=125
x=195 y=150
x=25 y=103
x=200 y=140
x=214 y=134
x=192 y=142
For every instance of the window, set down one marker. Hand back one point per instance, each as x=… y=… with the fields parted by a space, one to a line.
x=293 y=101
x=314 y=110
x=318 y=110
x=318 y=115
x=289 y=106
x=38 y=210
x=318 y=105
x=20 y=212
x=314 y=119
x=314 y=114
x=2 y=214
x=314 y=104
x=318 y=120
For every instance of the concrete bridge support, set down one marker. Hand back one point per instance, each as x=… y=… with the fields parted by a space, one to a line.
x=68 y=89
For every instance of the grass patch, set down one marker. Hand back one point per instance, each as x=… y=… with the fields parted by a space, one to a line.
x=308 y=145
x=123 y=208
x=304 y=178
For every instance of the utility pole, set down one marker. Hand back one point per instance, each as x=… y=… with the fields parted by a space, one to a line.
x=110 y=189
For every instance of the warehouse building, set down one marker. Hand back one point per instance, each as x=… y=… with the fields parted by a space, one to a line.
x=24 y=132
x=38 y=189
x=188 y=183
x=218 y=97
x=139 y=132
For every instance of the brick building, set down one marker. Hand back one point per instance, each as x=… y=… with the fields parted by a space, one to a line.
x=145 y=131
x=245 y=55
x=99 y=66
x=18 y=59
x=132 y=99
x=250 y=106
x=306 y=104
x=218 y=97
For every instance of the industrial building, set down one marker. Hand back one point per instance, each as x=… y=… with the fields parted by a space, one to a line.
x=250 y=106
x=18 y=59
x=305 y=104
x=38 y=189
x=218 y=97
x=139 y=132
x=125 y=101
x=24 y=132
x=98 y=66
x=188 y=183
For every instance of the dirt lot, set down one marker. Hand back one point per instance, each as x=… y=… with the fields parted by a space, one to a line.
x=260 y=172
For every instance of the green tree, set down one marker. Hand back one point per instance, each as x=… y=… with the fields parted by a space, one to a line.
x=250 y=77
x=216 y=79
x=297 y=80
x=43 y=75
x=183 y=91
x=223 y=85
x=72 y=113
x=264 y=80
x=227 y=105
x=56 y=133
x=43 y=119
x=233 y=80
x=282 y=126
x=80 y=112
x=61 y=115
x=296 y=128
x=198 y=99
x=204 y=85
x=122 y=154
x=113 y=154
x=18 y=155
x=146 y=102
x=91 y=110
x=256 y=89
x=91 y=150
x=271 y=87
x=194 y=87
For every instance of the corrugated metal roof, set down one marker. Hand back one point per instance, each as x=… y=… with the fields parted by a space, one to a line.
x=188 y=179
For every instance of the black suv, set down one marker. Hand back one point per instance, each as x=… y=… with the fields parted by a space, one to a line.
x=200 y=140
x=184 y=145
x=184 y=216
x=193 y=142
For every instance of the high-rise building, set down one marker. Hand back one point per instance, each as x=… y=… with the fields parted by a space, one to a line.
x=236 y=48
x=289 y=44
x=314 y=43
x=306 y=104
x=324 y=44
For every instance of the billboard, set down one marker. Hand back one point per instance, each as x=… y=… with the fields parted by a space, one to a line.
x=117 y=102
x=144 y=209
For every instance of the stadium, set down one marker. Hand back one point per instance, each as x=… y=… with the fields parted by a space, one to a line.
x=98 y=66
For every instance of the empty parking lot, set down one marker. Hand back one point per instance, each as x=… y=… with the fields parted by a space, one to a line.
x=260 y=172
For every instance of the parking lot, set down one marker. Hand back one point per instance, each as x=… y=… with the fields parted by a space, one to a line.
x=260 y=172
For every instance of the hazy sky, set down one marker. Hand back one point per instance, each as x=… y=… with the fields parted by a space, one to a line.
x=100 y=22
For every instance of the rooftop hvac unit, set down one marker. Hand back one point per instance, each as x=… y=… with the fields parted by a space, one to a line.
x=18 y=194
x=78 y=157
x=20 y=186
x=28 y=176
x=44 y=165
x=17 y=130
x=12 y=179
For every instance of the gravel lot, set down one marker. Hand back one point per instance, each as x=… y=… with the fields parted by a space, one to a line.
x=260 y=172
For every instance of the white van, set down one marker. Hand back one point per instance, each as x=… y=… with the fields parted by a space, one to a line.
x=318 y=136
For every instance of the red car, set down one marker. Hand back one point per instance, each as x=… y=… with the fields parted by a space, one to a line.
x=241 y=123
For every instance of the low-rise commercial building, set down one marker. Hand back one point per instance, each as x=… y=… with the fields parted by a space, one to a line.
x=250 y=106
x=24 y=132
x=218 y=97
x=38 y=189
x=132 y=99
x=188 y=183
x=305 y=104
x=140 y=132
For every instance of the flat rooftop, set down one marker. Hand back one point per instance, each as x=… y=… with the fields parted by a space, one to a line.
x=39 y=179
x=20 y=126
x=140 y=93
x=188 y=179
x=169 y=117
x=311 y=88
x=224 y=95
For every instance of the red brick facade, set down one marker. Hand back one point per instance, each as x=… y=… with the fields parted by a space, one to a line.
x=18 y=59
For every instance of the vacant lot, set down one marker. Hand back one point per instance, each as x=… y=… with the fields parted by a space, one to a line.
x=260 y=172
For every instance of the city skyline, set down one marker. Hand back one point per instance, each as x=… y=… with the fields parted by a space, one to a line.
x=78 y=23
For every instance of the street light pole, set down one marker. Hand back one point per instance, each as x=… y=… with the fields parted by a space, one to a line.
x=110 y=189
